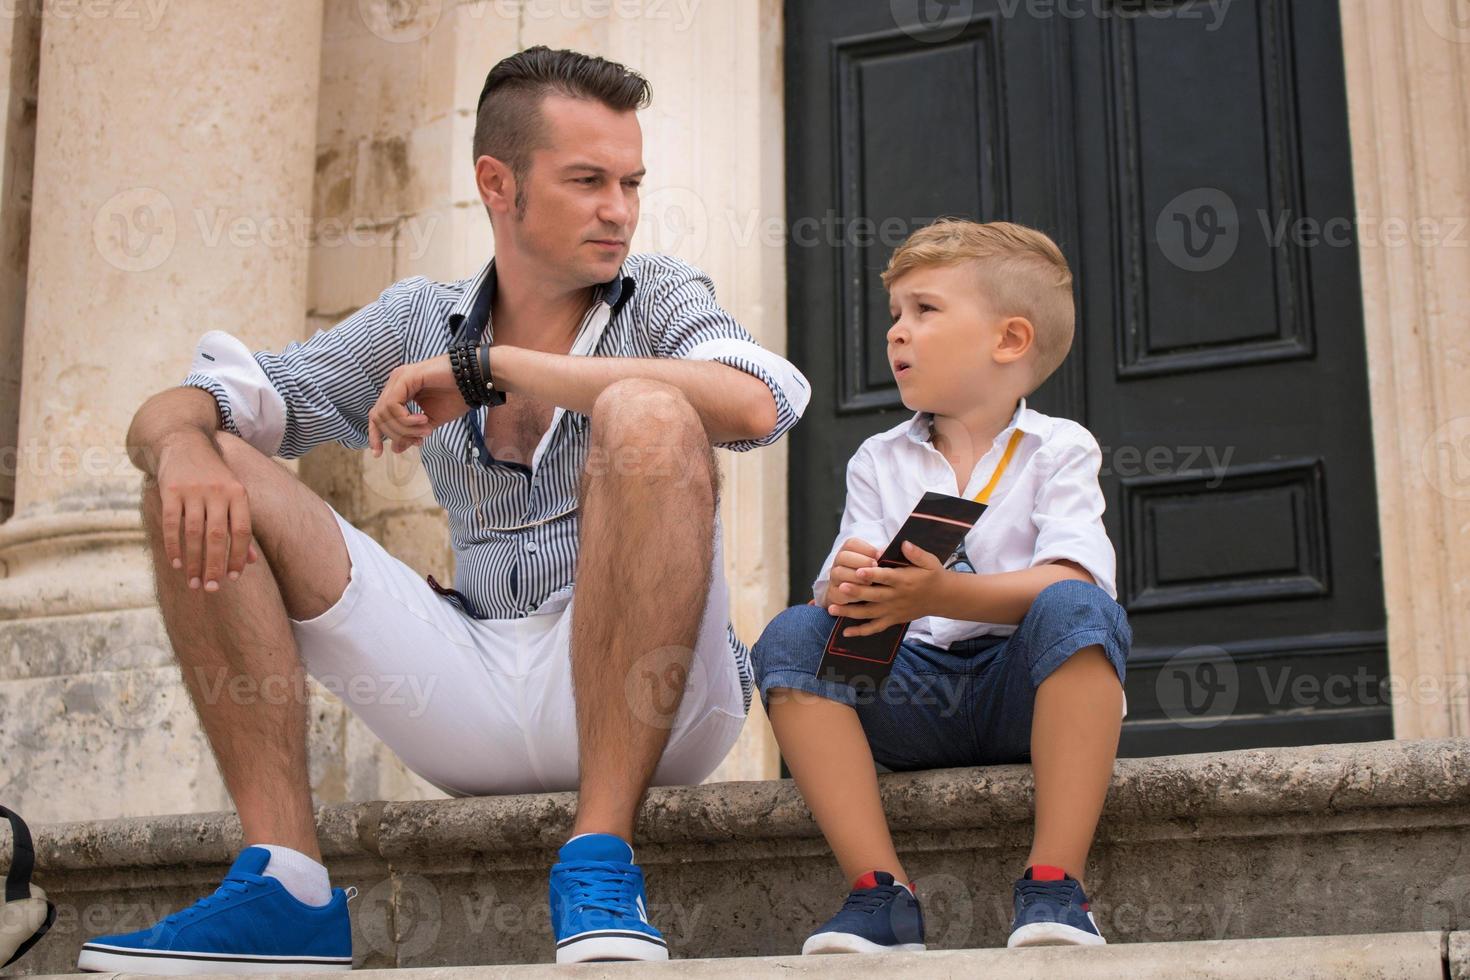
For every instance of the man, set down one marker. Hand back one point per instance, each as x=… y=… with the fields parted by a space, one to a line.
x=620 y=372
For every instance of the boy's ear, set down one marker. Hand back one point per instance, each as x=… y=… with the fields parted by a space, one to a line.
x=1017 y=335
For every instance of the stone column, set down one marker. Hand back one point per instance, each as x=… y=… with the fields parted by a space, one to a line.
x=172 y=194
x=20 y=35
x=1408 y=79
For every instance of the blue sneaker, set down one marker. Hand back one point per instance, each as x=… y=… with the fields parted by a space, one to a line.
x=597 y=906
x=879 y=916
x=1052 y=910
x=251 y=924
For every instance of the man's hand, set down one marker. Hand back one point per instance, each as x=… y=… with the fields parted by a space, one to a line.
x=888 y=596
x=206 y=513
x=430 y=384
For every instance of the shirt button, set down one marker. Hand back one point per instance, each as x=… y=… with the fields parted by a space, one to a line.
x=530 y=547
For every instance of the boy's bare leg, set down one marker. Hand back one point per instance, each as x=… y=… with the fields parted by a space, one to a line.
x=1074 y=740
x=643 y=580
x=235 y=649
x=827 y=752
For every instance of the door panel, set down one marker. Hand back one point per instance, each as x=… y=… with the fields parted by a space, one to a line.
x=1182 y=160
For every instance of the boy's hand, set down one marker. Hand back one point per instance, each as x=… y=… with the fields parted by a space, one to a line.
x=889 y=596
x=856 y=554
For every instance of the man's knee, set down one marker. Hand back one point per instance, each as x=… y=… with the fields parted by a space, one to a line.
x=638 y=411
x=649 y=429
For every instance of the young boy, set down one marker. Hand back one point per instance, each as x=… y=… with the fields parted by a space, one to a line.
x=1016 y=650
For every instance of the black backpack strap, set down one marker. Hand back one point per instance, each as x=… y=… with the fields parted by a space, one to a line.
x=18 y=879
x=23 y=860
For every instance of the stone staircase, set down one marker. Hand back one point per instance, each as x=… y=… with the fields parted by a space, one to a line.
x=1335 y=860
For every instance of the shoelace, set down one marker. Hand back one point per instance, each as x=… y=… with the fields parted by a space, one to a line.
x=231 y=886
x=1056 y=891
x=600 y=885
x=870 y=900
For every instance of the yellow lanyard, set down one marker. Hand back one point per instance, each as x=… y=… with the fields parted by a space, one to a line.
x=983 y=497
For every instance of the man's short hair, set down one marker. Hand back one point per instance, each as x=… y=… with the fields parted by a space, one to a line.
x=508 y=122
x=1021 y=272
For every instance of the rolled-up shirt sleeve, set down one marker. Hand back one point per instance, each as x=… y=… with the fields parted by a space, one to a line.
x=1068 y=513
x=688 y=323
x=314 y=391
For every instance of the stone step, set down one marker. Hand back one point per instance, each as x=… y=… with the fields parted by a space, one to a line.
x=1312 y=841
x=1388 y=956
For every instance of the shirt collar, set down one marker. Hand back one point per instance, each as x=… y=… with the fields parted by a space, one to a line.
x=1025 y=419
x=471 y=315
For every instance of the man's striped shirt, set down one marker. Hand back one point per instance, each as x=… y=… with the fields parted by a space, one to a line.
x=321 y=389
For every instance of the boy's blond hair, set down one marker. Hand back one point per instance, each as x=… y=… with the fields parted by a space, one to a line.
x=1021 y=270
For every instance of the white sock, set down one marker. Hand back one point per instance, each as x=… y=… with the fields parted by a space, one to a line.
x=306 y=880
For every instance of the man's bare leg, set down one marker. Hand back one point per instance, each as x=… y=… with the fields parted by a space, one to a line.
x=236 y=652
x=643 y=578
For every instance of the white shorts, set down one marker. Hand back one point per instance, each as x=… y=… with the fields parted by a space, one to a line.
x=480 y=707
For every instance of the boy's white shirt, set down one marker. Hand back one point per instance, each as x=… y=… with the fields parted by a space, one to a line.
x=1047 y=507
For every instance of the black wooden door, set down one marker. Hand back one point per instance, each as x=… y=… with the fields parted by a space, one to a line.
x=1192 y=161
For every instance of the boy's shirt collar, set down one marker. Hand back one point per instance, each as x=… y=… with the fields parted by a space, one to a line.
x=1025 y=419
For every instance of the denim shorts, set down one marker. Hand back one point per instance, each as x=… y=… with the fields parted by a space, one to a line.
x=970 y=705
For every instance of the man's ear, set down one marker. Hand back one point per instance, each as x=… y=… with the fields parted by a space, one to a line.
x=1017 y=335
x=497 y=185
